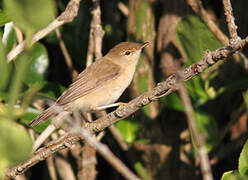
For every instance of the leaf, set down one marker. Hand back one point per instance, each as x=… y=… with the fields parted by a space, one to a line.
x=4 y=67
x=9 y=36
x=143 y=81
x=3 y=96
x=17 y=82
x=195 y=38
x=197 y=92
x=15 y=144
x=37 y=69
x=30 y=15
x=29 y=115
x=51 y=91
x=31 y=92
x=207 y=126
x=243 y=160
x=139 y=168
x=245 y=96
x=3 y=18
x=233 y=175
x=129 y=129
x=143 y=27
x=173 y=102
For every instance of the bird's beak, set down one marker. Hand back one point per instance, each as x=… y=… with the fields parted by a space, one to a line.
x=144 y=45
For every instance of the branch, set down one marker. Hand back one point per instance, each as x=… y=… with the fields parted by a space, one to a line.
x=198 y=8
x=162 y=89
x=96 y=34
x=230 y=23
x=66 y=54
x=67 y=16
x=198 y=137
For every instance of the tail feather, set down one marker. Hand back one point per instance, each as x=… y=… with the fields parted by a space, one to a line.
x=43 y=116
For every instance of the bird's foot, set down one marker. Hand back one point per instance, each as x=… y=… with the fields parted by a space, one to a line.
x=119 y=104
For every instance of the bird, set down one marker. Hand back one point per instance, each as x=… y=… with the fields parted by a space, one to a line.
x=100 y=84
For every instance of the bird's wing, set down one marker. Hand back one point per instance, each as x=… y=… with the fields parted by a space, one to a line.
x=91 y=78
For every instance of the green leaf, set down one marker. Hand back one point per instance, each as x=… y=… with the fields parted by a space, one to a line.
x=37 y=69
x=143 y=81
x=51 y=91
x=245 y=96
x=4 y=67
x=15 y=144
x=9 y=36
x=139 y=168
x=3 y=18
x=173 y=102
x=195 y=38
x=129 y=129
x=197 y=92
x=144 y=28
x=31 y=92
x=30 y=15
x=17 y=82
x=243 y=160
x=207 y=126
x=3 y=96
x=29 y=115
x=233 y=175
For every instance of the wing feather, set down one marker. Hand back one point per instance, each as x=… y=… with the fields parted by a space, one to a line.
x=91 y=78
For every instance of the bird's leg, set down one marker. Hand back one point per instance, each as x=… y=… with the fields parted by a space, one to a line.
x=119 y=104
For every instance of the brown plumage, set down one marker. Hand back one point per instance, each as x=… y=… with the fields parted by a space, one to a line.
x=101 y=83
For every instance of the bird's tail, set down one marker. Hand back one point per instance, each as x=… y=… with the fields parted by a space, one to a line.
x=43 y=116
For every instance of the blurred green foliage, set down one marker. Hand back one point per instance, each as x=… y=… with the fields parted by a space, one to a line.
x=242 y=172
x=30 y=15
x=232 y=175
x=22 y=78
x=243 y=160
x=3 y=18
x=129 y=129
x=195 y=38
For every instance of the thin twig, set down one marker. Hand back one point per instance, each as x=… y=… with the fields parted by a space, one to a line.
x=66 y=54
x=90 y=51
x=96 y=34
x=64 y=169
x=97 y=29
x=198 y=137
x=88 y=163
x=19 y=34
x=67 y=16
x=89 y=160
x=51 y=168
x=230 y=20
x=123 y=8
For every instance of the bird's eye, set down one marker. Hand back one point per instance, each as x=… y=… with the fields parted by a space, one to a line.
x=127 y=53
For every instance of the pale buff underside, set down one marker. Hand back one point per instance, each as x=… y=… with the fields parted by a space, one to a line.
x=109 y=92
